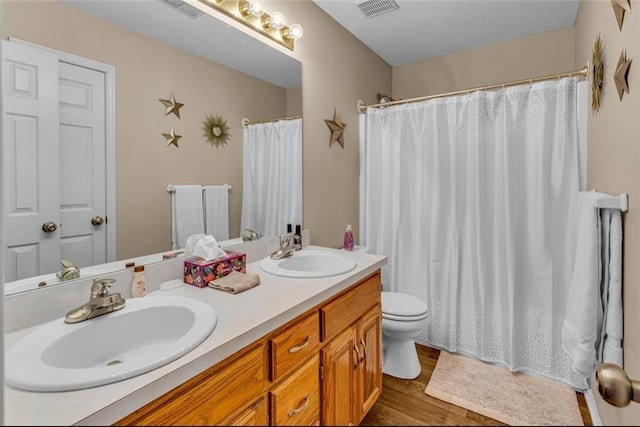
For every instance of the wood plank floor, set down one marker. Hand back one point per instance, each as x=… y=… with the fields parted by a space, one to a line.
x=404 y=402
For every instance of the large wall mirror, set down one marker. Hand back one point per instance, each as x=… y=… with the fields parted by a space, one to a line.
x=157 y=49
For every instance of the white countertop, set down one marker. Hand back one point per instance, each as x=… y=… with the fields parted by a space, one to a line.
x=242 y=319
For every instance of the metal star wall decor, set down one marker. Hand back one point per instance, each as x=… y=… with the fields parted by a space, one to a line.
x=337 y=129
x=171 y=105
x=597 y=75
x=619 y=9
x=172 y=138
x=622 y=72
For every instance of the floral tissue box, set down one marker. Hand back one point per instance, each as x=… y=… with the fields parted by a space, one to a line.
x=199 y=272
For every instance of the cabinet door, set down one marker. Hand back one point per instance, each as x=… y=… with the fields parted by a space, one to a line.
x=370 y=365
x=340 y=361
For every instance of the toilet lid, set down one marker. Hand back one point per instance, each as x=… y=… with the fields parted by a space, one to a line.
x=398 y=304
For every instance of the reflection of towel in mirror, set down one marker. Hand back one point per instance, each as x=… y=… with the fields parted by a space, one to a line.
x=187 y=217
x=216 y=211
x=235 y=282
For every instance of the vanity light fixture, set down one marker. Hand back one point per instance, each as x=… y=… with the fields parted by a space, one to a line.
x=252 y=14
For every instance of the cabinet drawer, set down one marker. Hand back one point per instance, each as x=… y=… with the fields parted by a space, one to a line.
x=347 y=308
x=294 y=344
x=209 y=397
x=254 y=415
x=296 y=401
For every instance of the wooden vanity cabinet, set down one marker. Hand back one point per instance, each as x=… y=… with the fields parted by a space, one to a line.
x=324 y=367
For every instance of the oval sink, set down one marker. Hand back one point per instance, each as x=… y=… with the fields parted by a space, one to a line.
x=147 y=333
x=309 y=263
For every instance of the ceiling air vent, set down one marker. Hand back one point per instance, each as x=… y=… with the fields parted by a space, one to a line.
x=183 y=7
x=372 y=8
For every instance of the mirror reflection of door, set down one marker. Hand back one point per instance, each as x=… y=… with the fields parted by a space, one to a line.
x=54 y=162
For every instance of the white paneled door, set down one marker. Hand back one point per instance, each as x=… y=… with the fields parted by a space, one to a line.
x=82 y=165
x=53 y=162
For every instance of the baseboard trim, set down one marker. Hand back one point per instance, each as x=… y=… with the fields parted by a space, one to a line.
x=593 y=408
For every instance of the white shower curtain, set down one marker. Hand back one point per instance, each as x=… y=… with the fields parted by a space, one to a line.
x=471 y=198
x=272 y=176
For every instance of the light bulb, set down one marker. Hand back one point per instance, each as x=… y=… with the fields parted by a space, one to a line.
x=251 y=7
x=276 y=20
x=294 y=32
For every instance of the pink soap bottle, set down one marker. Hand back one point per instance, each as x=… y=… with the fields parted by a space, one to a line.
x=348 y=238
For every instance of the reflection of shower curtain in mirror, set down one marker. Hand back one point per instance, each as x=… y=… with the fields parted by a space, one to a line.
x=272 y=176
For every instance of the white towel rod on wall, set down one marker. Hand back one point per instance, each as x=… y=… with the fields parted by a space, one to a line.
x=614 y=202
x=171 y=188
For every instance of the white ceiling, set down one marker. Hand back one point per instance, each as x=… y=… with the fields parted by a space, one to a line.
x=421 y=29
x=204 y=36
x=418 y=29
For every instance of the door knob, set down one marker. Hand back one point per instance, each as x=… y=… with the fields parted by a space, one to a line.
x=97 y=220
x=49 y=227
x=614 y=385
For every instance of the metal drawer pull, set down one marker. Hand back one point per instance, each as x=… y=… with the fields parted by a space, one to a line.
x=293 y=412
x=364 y=350
x=299 y=347
x=355 y=347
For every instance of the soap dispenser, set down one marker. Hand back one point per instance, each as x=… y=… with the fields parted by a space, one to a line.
x=348 y=238
x=139 y=284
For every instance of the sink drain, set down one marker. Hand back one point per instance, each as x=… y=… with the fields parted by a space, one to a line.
x=114 y=362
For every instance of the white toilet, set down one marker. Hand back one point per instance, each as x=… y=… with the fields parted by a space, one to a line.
x=403 y=317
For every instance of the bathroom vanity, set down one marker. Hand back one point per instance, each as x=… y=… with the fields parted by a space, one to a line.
x=290 y=351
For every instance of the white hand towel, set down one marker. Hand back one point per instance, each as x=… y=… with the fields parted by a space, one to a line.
x=581 y=327
x=612 y=349
x=187 y=213
x=216 y=211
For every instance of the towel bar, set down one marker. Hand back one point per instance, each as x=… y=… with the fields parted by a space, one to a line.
x=614 y=202
x=171 y=189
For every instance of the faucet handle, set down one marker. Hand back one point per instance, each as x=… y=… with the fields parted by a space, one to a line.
x=68 y=272
x=100 y=287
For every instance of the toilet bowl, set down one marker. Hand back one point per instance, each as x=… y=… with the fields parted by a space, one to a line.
x=404 y=316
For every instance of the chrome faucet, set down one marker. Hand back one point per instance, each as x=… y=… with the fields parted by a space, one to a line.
x=287 y=247
x=101 y=302
x=68 y=272
x=249 y=235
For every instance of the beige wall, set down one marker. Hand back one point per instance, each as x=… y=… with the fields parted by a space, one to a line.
x=614 y=163
x=337 y=70
x=147 y=70
x=538 y=55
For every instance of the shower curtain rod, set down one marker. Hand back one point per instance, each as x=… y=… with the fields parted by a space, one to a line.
x=584 y=72
x=246 y=121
